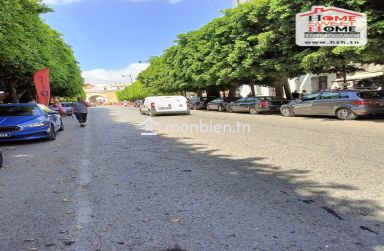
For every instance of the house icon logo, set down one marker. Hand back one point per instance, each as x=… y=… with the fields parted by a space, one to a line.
x=331 y=26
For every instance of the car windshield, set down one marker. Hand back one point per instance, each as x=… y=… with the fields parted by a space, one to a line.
x=371 y=94
x=6 y=111
x=66 y=104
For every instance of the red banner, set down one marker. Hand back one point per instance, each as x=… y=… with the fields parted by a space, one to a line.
x=41 y=79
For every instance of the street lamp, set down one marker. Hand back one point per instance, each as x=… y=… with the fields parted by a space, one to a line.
x=130 y=76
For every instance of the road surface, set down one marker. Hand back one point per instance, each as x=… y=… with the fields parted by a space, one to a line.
x=208 y=181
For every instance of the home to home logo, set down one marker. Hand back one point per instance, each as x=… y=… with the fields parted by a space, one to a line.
x=331 y=26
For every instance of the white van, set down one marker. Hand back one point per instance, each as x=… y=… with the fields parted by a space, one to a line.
x=164 y=105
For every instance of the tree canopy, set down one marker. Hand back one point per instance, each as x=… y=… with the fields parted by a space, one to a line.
x=134 y=91
x=28 y=44
x=255 y=43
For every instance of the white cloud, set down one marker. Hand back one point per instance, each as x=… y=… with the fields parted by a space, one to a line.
x=60 y=1
x=103 y=76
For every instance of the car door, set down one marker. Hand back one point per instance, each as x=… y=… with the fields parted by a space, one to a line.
x=245 y=105
x=303 y=105
x=216 y=103
x=235 y=106
x=325 y=103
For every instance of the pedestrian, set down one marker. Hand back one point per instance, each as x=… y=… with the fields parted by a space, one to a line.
x=303 y=93
x=80 y=109
x=59 y=107
x=125 y=102
x=295 y=95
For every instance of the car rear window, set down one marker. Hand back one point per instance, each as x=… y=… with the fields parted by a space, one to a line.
x=6 y=111
x=371 y=94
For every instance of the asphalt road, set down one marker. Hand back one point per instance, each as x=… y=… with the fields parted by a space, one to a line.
x=209 y=181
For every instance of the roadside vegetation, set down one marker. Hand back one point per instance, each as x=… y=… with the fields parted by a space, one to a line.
x=134 y=91
x=28 y=44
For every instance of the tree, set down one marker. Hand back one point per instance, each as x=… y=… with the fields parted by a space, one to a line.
x=27 y=45
x=134 y=91
x=255 y=43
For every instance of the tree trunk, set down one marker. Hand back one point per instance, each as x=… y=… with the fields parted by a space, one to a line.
x=344 y=69
x=13 y=94
x=287 y=89
x=252 y=85
x=282 y=88
x=232 y=92
x=213 y=91
x=199 y=93
x=279 y=88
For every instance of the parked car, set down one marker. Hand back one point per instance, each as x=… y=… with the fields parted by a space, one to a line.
x=268 y=104
x=164 y=105
x=198 y=103
x=256 y=105
x=220 y=104
x=138 y=103
x=344 y=104
x=28 y=121
x=68 y=107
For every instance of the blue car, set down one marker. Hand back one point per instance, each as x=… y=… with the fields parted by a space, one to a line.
x=28 y=122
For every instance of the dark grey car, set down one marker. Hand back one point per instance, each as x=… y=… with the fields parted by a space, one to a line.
x=344 y=104
x=257 y=105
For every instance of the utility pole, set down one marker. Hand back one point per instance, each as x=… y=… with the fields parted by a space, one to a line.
x=130 y=76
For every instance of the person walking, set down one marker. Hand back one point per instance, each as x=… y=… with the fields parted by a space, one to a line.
x=59 y=107
x=80 y=109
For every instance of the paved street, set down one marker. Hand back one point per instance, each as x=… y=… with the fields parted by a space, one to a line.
x=209 y=181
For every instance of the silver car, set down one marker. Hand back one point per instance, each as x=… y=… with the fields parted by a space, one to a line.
x=344 y=104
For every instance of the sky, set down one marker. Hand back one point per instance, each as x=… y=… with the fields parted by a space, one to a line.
x=112 y=38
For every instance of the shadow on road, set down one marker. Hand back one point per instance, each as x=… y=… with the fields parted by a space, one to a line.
x=292 y=212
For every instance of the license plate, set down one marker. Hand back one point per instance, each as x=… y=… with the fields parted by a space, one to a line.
x=164 y=108
x=4 y=135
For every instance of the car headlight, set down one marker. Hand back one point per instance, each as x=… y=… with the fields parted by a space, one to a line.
x=36 y=124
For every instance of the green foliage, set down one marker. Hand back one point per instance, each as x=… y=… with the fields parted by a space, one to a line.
x=256 y=42
x=27 y=45
x=134 y=91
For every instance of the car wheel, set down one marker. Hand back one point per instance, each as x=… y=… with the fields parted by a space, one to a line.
x=287 y=112
x=345 y=114
x=253 y=111
x=52 y=133
x=61 y=125
x=229 y=109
